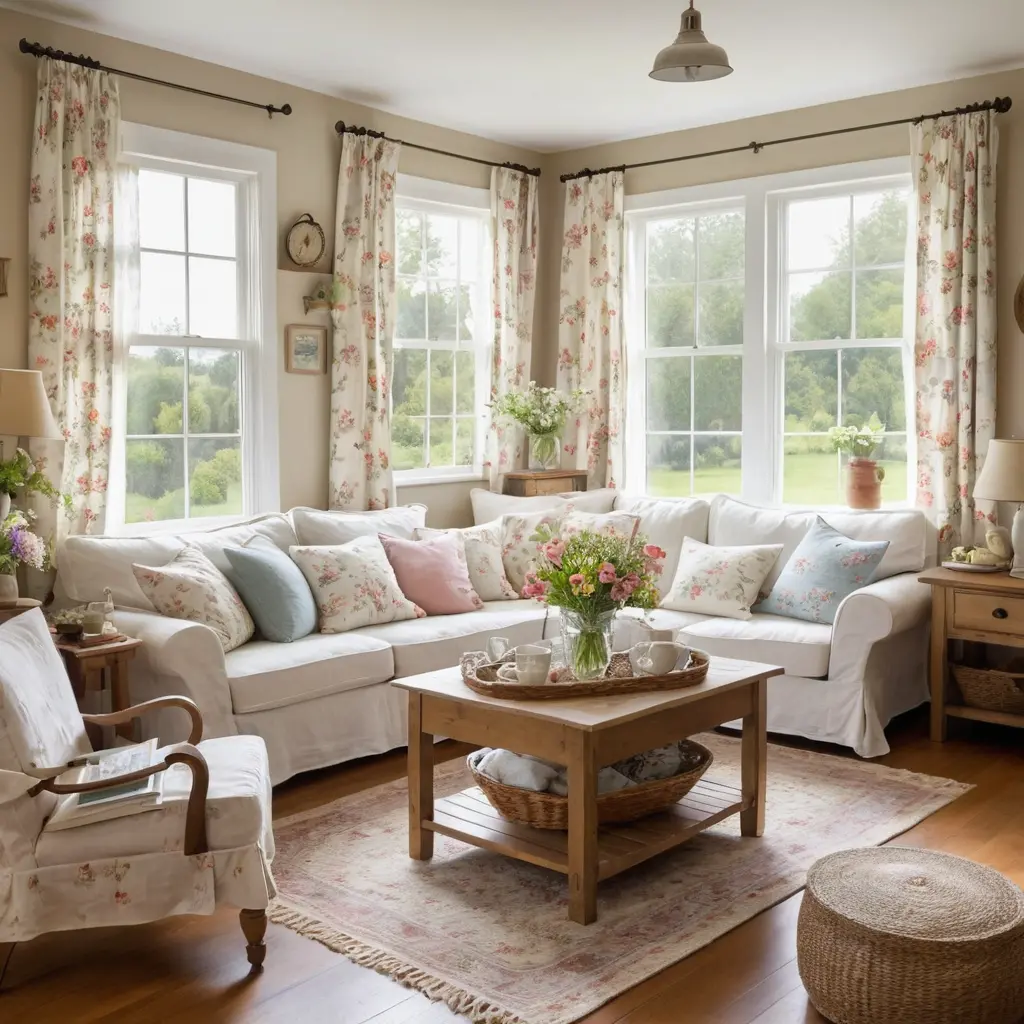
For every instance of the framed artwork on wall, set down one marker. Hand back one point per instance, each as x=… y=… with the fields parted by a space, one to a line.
x=305 y=349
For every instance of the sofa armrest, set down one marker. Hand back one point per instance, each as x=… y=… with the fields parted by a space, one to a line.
x=183 y=658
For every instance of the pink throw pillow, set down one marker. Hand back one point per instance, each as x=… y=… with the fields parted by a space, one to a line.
x=433 y=573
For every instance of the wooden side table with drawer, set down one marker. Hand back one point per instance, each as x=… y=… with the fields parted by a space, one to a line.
x=550 y=481
x=985 y=608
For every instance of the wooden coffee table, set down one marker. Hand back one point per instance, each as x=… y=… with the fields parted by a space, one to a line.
x=585 y=734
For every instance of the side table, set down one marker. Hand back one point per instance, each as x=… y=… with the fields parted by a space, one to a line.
x=9 y=609
x=93 y=669
x=549 y=481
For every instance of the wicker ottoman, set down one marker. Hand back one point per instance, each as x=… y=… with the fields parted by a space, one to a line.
x=903 y=936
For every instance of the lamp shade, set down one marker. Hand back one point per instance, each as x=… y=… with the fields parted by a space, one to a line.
x=24 y=408
x=1002 y=476
x=691 y=58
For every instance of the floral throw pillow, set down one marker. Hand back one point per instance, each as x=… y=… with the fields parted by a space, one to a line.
x=191 y=587
x=354 y=584
x=826 y=567
x=482 y=545
x=614 y=524
x=518 y=551
x=722 y=581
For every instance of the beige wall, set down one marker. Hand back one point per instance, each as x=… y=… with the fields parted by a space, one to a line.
x=307 y=150
x=842 y=149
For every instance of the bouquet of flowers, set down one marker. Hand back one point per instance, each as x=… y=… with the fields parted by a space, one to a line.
x=21 y=472
x=19 y=545
x=542 y=412
x=590 y=576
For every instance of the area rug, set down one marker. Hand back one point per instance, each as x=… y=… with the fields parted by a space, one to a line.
x=489 y=935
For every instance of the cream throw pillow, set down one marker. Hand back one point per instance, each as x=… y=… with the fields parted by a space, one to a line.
x=353 y=584
x=191 y=587
x=482 y=546
x=720 y=581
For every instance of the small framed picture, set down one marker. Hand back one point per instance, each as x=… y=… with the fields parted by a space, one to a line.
x=305 y=349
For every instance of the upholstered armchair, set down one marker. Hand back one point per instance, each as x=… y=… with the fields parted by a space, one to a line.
x=210 y=842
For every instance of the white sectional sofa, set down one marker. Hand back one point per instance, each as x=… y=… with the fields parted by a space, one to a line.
x=325 y=699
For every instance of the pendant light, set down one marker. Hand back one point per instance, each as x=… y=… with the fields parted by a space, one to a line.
x=691 y=58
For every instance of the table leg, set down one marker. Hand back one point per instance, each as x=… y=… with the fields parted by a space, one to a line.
x=939 y=665
x=119 y=697
x=754 y=758
x=582 y=778
x=421 y=782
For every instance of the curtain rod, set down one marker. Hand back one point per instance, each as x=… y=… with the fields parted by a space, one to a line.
x=341 y=128
x=1001 y=104
x=38 y=50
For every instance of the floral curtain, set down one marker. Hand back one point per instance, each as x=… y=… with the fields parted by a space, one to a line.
x=71 y=268
x=363 y=313
x=590 y=343
x=954 y=160
x=514 y=225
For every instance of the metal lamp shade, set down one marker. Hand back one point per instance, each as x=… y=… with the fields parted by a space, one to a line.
x=691 y=58
x=24 y=407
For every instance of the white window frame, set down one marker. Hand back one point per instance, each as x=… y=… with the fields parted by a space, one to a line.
x=763 y=202
x=440 y=197
x=254 y=171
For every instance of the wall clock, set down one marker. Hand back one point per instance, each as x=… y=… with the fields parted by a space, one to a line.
x=1018 y=305
x=305 y=242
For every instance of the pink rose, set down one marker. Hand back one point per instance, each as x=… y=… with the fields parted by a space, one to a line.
x=577 y=579
x=653 y=551
x=606 y=574
x=553 y=551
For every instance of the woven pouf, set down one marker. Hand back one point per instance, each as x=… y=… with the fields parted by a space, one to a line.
x=903 y=936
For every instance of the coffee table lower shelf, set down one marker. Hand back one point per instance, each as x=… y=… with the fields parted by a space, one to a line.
x=469 y=816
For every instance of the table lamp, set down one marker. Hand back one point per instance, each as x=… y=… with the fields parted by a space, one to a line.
x=1002 y=479
x=24 y=407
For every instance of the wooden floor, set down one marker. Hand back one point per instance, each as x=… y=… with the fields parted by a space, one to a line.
x=193 y=970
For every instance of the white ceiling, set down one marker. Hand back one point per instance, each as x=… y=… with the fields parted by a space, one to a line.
x=558 y=74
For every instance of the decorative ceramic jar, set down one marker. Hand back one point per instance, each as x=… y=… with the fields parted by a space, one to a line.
x=8 y=587
x=863 y=484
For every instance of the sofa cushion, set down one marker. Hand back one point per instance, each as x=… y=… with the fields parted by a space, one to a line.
x=264 y=675
x=488 y=506
x=316 y=527
x=423 y=645
x=482 y=547
x=433 y=573
x=519 y=552
x=801 y=648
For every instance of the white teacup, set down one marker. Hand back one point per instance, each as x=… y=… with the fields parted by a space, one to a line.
x=497 y=646
x=533 y=663
x=657 y=657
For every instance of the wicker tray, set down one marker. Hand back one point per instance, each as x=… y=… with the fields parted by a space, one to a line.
x=548 y=810
x=990 y=689
x=483 y=679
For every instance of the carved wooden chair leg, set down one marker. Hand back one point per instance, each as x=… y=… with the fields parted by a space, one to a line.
x=254 y=927
x=6 y=950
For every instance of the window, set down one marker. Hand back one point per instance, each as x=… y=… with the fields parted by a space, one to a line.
x=198 y=374
x=759 y=315
x=439 y=382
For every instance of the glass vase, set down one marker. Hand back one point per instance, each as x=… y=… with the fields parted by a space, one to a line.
x=544 y=451
x=587 y=642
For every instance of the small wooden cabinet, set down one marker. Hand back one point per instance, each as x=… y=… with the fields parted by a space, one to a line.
x=552 y=481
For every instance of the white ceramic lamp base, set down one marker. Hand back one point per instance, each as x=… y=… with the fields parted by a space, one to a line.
x=1017 y=540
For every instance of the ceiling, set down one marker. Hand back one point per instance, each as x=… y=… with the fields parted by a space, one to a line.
x=559 y=74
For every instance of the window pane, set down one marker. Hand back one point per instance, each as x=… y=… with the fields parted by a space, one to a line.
x=819 y=306
x=721 y=314
x=670 y=320
x=668 y=393
x=213 y=391
x=818 y=233
x=212 y=298
x=156 y=390
x=465 y=441
x=442 y=246
x=467 y=319
x=892 y=460
x=407 y=442
x=717 y=393
x=668 y=466
x=880 y=303
x=465 y=382
x=442 y=313
x=470 y=242
x=716 y=464
x=670 y=251
x=441 y=451
x=211 y=217
x=409 y=382
x=161 y=211
x=811 y=391
x=215 y=476
x=154 y=480
x=721 y=243
x=873 y=386
x=880 y=227
x=441 y=385
x=409 y=235
x=811 y=473
x=161 y=294
x=411 y=324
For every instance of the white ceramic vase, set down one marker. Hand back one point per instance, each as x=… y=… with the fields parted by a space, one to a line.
x=5 y=505
x=8 y=587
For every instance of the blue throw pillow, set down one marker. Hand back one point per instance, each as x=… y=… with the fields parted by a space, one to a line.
x=826 y=567
x=274 y=590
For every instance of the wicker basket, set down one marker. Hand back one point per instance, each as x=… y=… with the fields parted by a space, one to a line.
x=894 y=935
x=990 y=689
x=548 y=810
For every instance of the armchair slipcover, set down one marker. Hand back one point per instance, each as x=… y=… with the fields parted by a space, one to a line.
x=134 y=869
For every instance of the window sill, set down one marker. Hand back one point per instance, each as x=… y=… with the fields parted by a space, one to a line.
x=412 y=478
x=174 y=527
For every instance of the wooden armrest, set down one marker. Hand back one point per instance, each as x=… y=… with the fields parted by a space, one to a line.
x=195 y=816
x=138 y=710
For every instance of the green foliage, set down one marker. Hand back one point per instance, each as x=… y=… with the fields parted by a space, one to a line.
x=857 y=442
x=20 y=473
x=207 y=487
x=539 y=410
x=146 y=468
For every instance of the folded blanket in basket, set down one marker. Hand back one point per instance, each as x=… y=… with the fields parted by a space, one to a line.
x=516 y=770
x=608 y=781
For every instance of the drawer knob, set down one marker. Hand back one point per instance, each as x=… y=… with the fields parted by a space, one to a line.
x=1000 y=613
